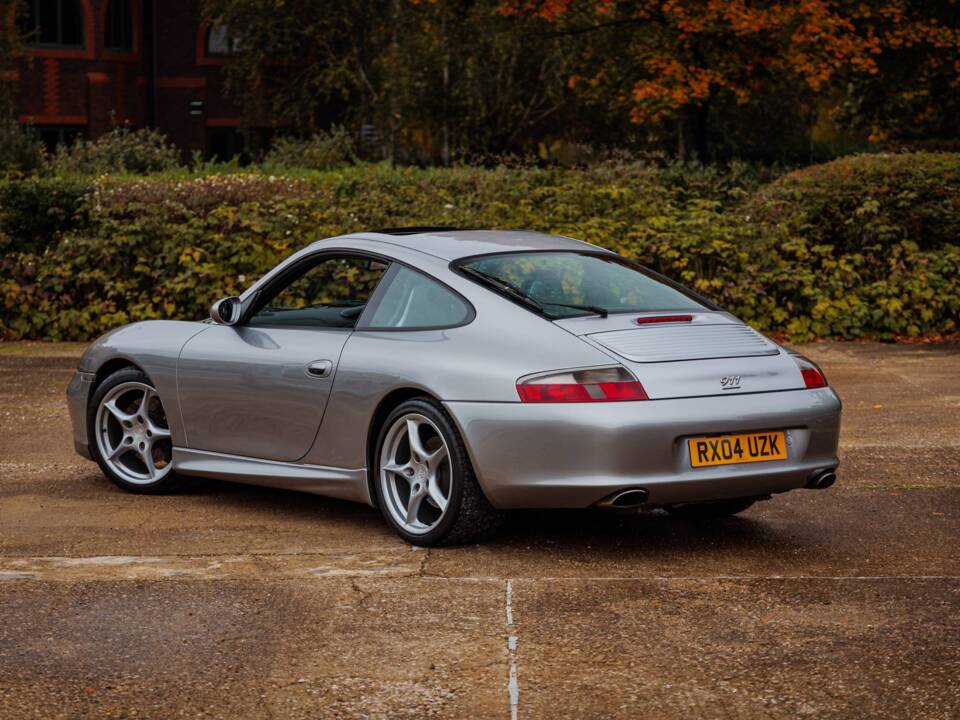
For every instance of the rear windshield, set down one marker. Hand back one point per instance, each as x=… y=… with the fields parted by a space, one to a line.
x=570 y=284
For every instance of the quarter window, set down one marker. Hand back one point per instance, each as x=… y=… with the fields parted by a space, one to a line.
x=413 y=300
x=53 y=23
x=119 y=31
x=330 y=293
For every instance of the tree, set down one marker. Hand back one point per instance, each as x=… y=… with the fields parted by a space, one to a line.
x=915 y=93
x=664 y=60
x=297 y=61
x=11 y=50
x=433 y=78
x=712 y=79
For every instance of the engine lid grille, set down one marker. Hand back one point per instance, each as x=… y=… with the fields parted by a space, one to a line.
x=665 y=343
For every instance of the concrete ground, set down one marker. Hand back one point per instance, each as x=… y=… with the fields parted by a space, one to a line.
x=237 y=602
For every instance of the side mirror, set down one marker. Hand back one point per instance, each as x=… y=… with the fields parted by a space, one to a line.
x=225 y=311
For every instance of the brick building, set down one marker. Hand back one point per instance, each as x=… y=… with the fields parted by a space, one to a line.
x=101 y=64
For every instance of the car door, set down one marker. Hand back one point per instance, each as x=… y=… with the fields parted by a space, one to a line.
x=260 y=388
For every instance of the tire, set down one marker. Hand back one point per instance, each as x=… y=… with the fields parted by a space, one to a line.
x=442 y=496
x=711 y=510
x=131 y=443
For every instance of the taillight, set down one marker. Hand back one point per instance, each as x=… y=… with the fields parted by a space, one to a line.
x=594 y=385
x=813 y=376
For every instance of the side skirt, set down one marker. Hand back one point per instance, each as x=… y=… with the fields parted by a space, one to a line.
x=342 y=483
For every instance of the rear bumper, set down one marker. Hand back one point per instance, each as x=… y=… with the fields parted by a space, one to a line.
x=574 y=455
x=78 y=396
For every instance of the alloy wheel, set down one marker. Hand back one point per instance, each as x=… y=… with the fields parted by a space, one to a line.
x=133 y=435
x=415 y=473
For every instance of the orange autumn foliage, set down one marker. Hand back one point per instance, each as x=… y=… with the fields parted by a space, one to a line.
x=680 y=53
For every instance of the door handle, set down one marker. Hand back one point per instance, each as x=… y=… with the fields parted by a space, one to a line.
x=320 y=368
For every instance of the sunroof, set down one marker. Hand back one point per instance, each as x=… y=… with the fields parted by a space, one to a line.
x=415 y=229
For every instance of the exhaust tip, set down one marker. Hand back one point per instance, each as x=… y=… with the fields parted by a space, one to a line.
x=826 y=480
x=625 y=499
x=822 y=480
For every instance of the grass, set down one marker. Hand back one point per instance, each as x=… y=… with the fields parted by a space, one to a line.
x=36 y=348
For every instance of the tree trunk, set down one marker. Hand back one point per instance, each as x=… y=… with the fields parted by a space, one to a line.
x=445 y=151
x=393 y=82
x=699 y=131
x=692 y=133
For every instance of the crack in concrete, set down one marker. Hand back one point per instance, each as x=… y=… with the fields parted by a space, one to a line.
x=688 y=578
x=207 y=567
x=291 y=566
x=364 y=595
x=422 y=572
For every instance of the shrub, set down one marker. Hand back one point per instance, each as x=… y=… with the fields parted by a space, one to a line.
x=778 y=281
x=863 y=202
x=36 y=211
x=323 y=151
x=125 y=249
x=118 y=151
x=20 y=150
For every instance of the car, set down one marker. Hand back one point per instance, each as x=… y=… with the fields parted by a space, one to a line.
x=447 y=376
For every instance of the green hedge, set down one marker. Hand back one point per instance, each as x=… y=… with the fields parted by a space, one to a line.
x=125 y=249
x=36 y=212
x=868 y=202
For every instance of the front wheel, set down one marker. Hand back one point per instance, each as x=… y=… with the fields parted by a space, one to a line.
x=425 y=483
x=131 y=435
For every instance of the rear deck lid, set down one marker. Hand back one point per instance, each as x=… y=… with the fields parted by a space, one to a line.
x=691 y=355
x=699 y=338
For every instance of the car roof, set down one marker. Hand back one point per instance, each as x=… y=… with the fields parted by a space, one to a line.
x=453 y=244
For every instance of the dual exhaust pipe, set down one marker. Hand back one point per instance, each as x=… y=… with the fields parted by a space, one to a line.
x=633 y=498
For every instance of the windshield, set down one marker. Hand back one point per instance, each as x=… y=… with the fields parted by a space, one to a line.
x=570 y=284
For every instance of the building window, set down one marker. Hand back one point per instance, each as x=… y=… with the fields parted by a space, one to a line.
x=53 y=23
x=119 y=28
x=53 y=136
x=220 y=41
x=227 y=144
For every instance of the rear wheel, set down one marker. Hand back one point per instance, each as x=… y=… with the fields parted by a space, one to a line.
x=131 y=435
x=708 y=510
x=425 y=483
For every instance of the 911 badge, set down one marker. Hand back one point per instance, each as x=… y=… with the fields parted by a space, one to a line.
x=730 y=382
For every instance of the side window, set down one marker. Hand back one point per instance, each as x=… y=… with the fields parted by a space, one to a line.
x=413 y=300
x=329 y=294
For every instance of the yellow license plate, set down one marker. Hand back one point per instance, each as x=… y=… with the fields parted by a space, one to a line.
x=732 y=449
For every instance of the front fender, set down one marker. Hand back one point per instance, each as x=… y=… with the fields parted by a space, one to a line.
x=154 y=347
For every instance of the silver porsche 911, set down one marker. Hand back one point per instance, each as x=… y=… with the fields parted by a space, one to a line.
x=445 y=376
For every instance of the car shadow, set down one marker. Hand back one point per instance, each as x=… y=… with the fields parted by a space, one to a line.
x=650 y=530
x=258 y=498
x=598 y=531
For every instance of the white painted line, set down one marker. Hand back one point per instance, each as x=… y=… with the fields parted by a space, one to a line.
x=513 y=684
x=514 y=689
